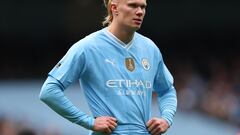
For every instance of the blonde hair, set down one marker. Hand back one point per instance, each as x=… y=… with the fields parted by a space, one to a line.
x=108 y=19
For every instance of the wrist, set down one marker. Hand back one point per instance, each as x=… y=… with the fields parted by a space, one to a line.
x=87 y=122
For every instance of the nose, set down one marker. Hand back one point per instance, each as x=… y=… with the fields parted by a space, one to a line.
x=140 y=11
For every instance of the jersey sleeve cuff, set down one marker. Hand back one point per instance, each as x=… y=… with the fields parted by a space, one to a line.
x=168 y=116
x=87 y=122
x=168 y=121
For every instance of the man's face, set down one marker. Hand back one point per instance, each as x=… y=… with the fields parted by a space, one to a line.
x=131 y=13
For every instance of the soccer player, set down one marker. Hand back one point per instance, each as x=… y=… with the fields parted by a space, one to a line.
x=118 y=70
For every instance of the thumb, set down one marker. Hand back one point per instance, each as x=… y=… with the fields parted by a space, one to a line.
x=149 y=122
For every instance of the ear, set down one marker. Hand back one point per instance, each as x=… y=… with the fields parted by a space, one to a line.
x=114 y=8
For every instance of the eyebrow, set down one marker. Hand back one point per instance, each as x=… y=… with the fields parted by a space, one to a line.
x=138 y=4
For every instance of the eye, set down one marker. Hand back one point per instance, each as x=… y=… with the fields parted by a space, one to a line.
x=143 y=7
x=135 y=5
x=132 y=5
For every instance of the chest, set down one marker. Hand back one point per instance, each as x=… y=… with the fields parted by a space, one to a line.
x=114 y=63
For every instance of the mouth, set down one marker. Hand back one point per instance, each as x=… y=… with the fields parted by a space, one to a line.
x=137 y=21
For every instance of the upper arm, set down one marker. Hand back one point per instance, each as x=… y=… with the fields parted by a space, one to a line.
x=163 y=80
x=70 y=68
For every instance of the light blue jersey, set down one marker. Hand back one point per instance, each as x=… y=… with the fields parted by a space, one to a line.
x=117 y=80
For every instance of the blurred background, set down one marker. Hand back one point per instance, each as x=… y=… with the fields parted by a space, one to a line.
x=199 y=40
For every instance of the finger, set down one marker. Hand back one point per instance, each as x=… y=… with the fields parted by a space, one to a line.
x=149 y=122
x=108 y=130
x=111 y=127
x=113 y=123
x=153 y=126
x=153 y=131
x=112 y=118
x=156 y=131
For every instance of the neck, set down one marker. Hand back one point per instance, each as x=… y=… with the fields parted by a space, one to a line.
x=121 y=33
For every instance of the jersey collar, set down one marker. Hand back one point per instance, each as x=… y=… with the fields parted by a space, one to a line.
x=124 y=45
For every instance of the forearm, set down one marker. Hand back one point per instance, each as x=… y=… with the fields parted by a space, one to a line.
x=52 y=94
x=167 y=102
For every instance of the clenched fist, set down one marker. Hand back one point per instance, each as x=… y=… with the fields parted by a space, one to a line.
x=105 y=124
x=156 y=126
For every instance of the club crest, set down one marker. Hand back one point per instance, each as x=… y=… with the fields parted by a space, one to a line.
x=129 y=63
x=145 y=63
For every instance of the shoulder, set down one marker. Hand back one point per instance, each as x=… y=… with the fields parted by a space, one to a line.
x=90 y=41
x=146 y=40
x=148 y=43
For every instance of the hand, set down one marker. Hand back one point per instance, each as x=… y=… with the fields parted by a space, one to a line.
x=156 y=126
x=105 y=124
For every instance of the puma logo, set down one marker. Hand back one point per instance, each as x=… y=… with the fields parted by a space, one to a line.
x=110 y=61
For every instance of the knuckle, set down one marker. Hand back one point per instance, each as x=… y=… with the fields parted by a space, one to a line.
x=105 y=126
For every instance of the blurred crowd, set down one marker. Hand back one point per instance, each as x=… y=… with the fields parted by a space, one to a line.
x=10 y=126
x=216 y=93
